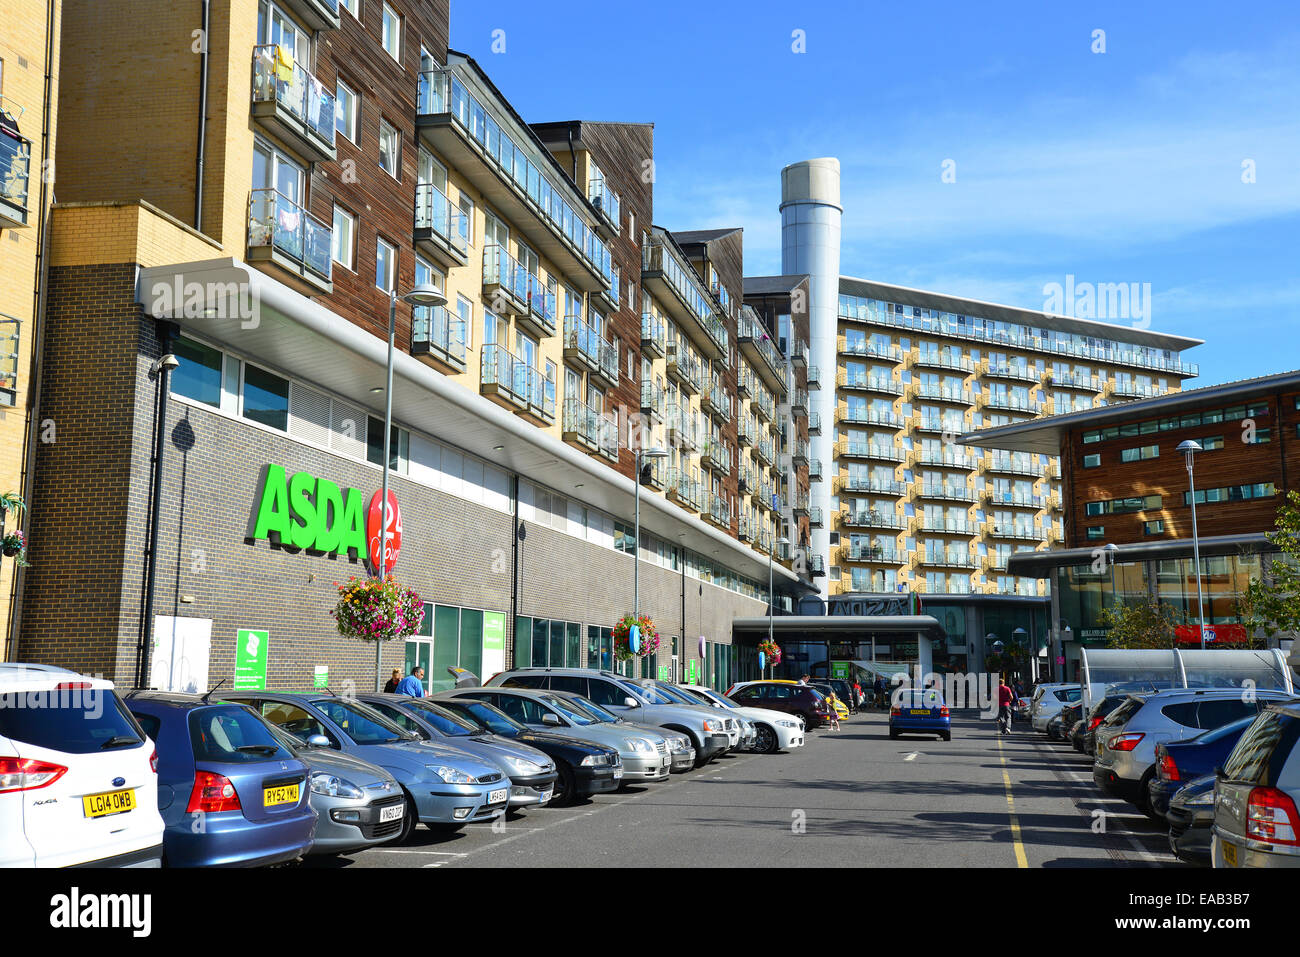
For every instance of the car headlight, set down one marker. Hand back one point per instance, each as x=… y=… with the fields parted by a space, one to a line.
x=785 y=723
x=452 y=775
x=322 y=782
x=638 y=744
x=677 y=744
x=711 y=725
x=1204 y=799
x=595 y=760
x=523 y=766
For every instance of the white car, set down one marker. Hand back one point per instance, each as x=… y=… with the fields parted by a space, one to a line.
x=776 y=730
x=78 y=775
x=1048 y=700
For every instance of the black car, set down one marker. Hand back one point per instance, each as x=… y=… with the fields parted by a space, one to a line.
x=1178 y=762
x=1096 y=715
x=1191 y=820
x=585 y=767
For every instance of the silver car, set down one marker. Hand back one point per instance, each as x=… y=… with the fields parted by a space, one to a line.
x=645 y=757
x=1048 y=700
x=1256 y=823
x=679 y=746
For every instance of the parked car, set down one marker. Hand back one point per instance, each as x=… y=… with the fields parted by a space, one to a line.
x=679 y=746
x=1256 y=823
x=1061 y=723
x=1125 y=760
x=1087 y=738
x=78 y=775
x=707 y=730
x=584 y=768
x=802 y=701
x=919 y=711
x=1191 y=821
x=661 y=692
x=643 y=761
x=532 y=774
x=357 y=804
x=843 y=690
x=828 y=692
x=1178 y=762
x=443 y=787
x=775 y=730
x=231 y=794
x=1048 y=699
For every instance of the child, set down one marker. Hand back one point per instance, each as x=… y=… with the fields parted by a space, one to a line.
x=835 y=715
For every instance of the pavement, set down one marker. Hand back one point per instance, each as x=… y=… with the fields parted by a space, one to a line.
x=848 y=798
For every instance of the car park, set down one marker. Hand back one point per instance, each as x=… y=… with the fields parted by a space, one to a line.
x=1178 y=762
x=1190 y=815
x=679 y=746
x=775 y=730
x=707 y=730
x=230 y=792
x=78 y=775
x=1100 y=710
x=1125 y=758
x=1048 y=699
x=661 y=692
x=1256 y=822
x=444 y=788
x=532 y=774
x=642 y=760
x=801 y=701
x=919 y=711
x=583 y=768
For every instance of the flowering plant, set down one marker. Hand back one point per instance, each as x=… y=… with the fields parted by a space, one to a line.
x=649 y=638
x=14 y=544
x=771 y=651
x=372 y=609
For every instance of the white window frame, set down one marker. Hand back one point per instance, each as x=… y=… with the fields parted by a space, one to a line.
x=381 y=243
x=391 y=16
x=397 y=140
x=351 y=262
x=355 y=118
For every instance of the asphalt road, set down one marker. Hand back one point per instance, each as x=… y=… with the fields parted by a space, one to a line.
x=850 y=798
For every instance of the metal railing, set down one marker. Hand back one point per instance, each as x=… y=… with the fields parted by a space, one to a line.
x=434 y=211
x=581 y=341
x=441 y=331
x=278 y=78
x=604 y=199
x=277 y=222
x=502 y=270
x=658 y=257
x=654 y=334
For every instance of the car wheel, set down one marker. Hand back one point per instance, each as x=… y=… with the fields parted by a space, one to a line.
x=408 y=820
x=947 y=736
x=892 y=733
x=766 y=741
x=565 y=792
x=1144 y=796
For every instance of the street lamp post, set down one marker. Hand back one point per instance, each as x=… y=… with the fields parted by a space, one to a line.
x=424 y=294
x=636 y=532
x=1189 y=448
x=771 y=595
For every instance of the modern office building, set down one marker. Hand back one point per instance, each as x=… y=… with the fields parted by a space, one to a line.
x=302 y=170
x=1128 y=504
x=29 y=54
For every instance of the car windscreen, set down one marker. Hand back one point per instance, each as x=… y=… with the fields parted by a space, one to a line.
x=676 y=694
x=363 y=725
x=485 y=716
x=919 y=698
x=445 y=721
x=570 y=711
x=231 y=733
x=74 y=720
x=590 y=707
x=1263 y=749
x=1126 y=710
x=655 y=695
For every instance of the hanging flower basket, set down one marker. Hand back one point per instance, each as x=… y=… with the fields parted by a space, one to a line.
x=15 y=546
x=649 y=638
x=771 y=651
x=371 y=609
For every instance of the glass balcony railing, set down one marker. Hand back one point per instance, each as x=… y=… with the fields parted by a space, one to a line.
x=871 y=383
x=652 y=398
x=436 y=330
x=15 y=169
x=937 y=393
x=10 y=334
x=870 y=518
x=278 y=224
x=541 y=303
x=659 y=259
x=870 y=450
x=654 y=335
x=859 y=415
x=609 y=361
x=870 y=350
x=581 y=422
x=503 y=271
x=604 y=199
x=520 y=384
x=277 y=78
x=581 y=342
x=755 y=335
x=684 y=365
x=866 y=552
x=435 y=212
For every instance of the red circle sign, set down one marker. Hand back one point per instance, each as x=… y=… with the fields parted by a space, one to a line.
x=393 y=543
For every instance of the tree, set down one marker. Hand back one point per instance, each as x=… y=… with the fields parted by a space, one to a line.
x=1273 y=607
x=1148 y=624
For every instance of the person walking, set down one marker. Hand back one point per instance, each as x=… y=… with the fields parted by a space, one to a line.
x=1005 y=697
x=393 y=682
x=832 y=701
x=412 y=684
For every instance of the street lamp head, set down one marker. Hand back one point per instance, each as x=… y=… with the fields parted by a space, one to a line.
x=783 y=540
x=425 y=294
x=653 y=453
x=1190 y=447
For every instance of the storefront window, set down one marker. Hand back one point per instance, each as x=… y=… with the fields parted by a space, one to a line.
x=266 y=398
x=198 y=376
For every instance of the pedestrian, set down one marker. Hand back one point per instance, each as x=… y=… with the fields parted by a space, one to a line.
x=832 y=701
x=881 y=688
x=1005 y=697
x=803 y=679
x=412 y=684
x=393 y=682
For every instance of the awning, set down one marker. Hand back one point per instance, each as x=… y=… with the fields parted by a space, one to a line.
x=819 y=627
x=1042 y=564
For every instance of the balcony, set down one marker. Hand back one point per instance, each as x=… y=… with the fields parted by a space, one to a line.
x=655 y=474
x=799 y=505
x=885 y=554
x=817 y=566
x=864 y=416
x=654 y=335
x=764 y=495
x=505 y=282
x=745 y=382
x=682 y=426
x=441 y=229
x=1012 y=464
x=609 y=296
x=763 y=450
x=715 y=454
x=292 y=104
x=871 y=518
x=863 y=483
x=581 y=344
x=581 y=426
x=951 y=493
x=943 y=459
x=1007 y=402
x=942 y=526
x=1016 y=371
x=869 y=450
x=438 y=338
x=1122 y=389
x=684 y=489
x=947 y=559
x=746 y=527
x=15 y=171
x=607 y=204
x=719 y=512
x=608 y=366
x=746 y=432
x=653 y=399
x=282 y=232
x=799 y=455
x=746 y=481
x=953 y=426
x=868 y=383
x=993 y=496
x=1080 y=383
x=869 y=350
x=934 y=393
x=1054 y=502
x=816 y=518
x=515 y=385
x=814 y=377
x=467 y=133
x=757 y=345
x=10 y=329
x=714 y=401
x=763 y=405
x=677 y=287
x=814 y=423
x=799 y=353
x=684 y=367
x=316 y=14
x=799 y=402
x=934 y=359
x=1021 y=533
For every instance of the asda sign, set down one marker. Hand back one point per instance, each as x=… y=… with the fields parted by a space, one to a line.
x=308 y=512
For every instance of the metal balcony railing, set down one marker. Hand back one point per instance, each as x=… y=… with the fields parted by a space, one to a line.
x=278 y=79
x=435 y=212
x=439 y=332
x=278 y=224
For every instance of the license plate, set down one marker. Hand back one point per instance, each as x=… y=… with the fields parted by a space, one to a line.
x=285 y=794
x=546 y=796
x=918 y=711
x=112 y=802
x=393 y=813
x=499 y=797
x=618 y=773
x=1229 y=853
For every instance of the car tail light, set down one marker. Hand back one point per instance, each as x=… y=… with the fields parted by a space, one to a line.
x=1125 y=742
x=1168 y=769
x=212 y=793
x=895 y=712
x=1092 y=724
x=73 y=686
x=1271 y=817
x=153 y=761
x=28 y=774
x=943 y=712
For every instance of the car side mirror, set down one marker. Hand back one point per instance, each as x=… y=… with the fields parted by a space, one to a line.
x=1218 y=774
x=551 y=720
x=631 y=702
x=318 y=741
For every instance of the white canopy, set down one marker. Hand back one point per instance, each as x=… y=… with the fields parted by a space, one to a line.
x=1128 y=669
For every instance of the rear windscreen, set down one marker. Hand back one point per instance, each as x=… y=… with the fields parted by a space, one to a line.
x=75 y=721
x=232 y=733
x=1263 y=749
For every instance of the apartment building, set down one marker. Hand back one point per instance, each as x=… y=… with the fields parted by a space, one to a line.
x=309 y=164
x=29 y=54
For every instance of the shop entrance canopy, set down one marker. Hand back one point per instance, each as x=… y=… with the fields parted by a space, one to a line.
x=1138 y=670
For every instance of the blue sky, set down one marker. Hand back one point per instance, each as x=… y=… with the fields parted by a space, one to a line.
x=1122 y=166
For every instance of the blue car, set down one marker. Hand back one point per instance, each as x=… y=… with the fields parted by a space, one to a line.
x=919 y=711
x=1178 y=762
x=230 y=793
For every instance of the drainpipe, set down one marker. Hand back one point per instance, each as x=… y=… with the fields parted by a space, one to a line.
x=162 y=373
x=206 y=7
x=514 y=563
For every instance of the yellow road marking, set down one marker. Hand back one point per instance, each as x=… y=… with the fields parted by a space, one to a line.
x=1021 y=860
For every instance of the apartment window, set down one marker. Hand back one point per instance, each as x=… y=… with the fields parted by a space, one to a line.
x=198 y=376
x=1211 y=443
x=1153 y=528
x=347 y=111
x=467 y=208
x=266 y=398
x=1262 y=436
x=385 y=266
x=1231 y=493
x=1139 y=453
x=1092 y=461
x=1121 y=506
x=390 y=149
x=392 y=36
x=1096 y=533
x=344 y=238
x=352 y=6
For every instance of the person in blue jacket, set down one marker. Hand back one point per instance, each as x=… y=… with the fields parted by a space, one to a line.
x=412 y=684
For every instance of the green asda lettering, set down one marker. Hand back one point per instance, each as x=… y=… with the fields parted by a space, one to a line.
x=307 y=512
